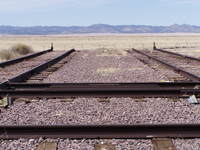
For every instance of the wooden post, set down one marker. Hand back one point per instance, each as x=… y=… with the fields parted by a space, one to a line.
x=52 y=46
x=154 y=46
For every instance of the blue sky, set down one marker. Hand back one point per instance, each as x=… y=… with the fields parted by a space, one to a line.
x=87 y=12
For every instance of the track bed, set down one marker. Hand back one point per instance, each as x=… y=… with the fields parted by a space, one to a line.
x=84 y=144
x=93 y=111
x=15 y=69
x=94 y=66
x=188 y=65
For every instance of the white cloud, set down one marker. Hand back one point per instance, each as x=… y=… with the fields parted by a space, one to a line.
x=25 y=5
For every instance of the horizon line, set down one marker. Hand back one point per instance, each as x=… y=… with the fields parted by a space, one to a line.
x=99 y=24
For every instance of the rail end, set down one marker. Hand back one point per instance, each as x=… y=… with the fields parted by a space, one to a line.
x=52 y=46
x=154 y=46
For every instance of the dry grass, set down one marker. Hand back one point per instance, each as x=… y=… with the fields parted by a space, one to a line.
x=6 y=55
x=21 y=49
x=188 y=51
x=15 y=51
x=113 y=42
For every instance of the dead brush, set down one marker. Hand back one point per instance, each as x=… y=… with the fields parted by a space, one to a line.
x=15 y=51
x=6 y=55
x=21 y=49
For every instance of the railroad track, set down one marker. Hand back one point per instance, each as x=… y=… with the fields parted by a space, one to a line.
x=38 y=69
x=160 y=135
x=23 y=77
x=15 y=69
x=102 y=131
x=136 y=90
x=179 y=55
x=17 y=88
x=181 y=85
x=170 y=75
x=178 y=69
x=22 y=86
x=20 y=59
x=186 y=63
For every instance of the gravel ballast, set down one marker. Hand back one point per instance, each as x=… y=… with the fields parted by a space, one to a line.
x=66 y=144
x=90 y=111
x=186 y=64
x=85 y=144
x=94 y=66
x=183 y=144
x=18 y=68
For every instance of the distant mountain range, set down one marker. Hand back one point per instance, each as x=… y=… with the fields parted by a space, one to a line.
x=97 y=28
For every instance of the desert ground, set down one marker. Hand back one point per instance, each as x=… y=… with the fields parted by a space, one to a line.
x=109 y=63
x=103 y=41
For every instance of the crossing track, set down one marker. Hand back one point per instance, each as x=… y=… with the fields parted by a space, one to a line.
x=28 y=74
x=165 y=90
x=181 y=85
x=36 y=70
x=17 y=60
x=177 y=54
x=16 y=87
x=103 y=132
x=177 y=69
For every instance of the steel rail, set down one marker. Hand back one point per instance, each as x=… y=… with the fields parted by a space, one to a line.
x=180 y=55
x=173 y=67
x=101 y=92
x=102 y=131
x=180 y=85
x=26 y=75
x=20 y=59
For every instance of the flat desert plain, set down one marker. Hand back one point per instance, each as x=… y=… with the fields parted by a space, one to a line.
x=103 y=41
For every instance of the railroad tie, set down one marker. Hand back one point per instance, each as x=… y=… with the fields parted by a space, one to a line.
x=163 y=144
x=104 y=147
x=3 y=102
x=47 y=146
